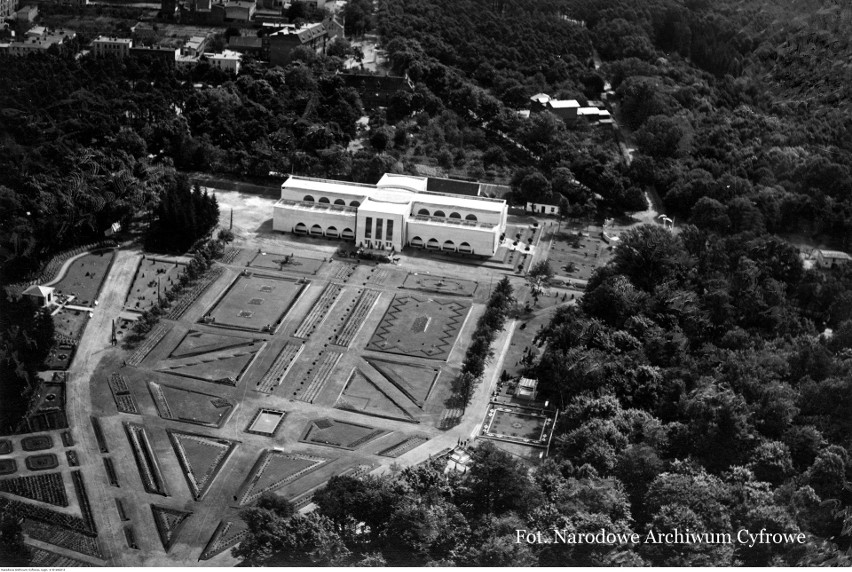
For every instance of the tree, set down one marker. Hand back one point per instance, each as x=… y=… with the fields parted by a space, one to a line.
x=496 y=483
x=13 y=551
x=661 y=136
x=273 y=540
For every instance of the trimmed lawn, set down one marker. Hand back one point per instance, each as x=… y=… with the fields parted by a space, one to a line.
x=255 y=303
x=85 y=277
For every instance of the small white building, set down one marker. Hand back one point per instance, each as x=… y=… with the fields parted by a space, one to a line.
x=527 y=389
x=104 y=46
x=542 y=208
x=831 y=258
x=228 y=61
x=41 y=295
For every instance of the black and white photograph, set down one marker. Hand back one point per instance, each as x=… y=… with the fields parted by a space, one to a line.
x=410 y=283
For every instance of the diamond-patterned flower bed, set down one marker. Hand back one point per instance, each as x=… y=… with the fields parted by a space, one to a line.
x=340 y=434
x=273 y=470
x=190 y=406
x=440 y=284
x=419 y=326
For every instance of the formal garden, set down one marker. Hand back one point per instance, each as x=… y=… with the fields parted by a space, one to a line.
x=414 y=380
x=84 y=277
x=37 y=442
x=196 y=343
x=153 y=278
x=517 y=425
x=266 y=422
x=254 y=303
x=273 y=470
x=286 y=262
x=419 y=326
x=225 y=367
x=201 y=458
x=440 y=284
x=576 y=253
x=342 y=434
x=189 y=406
x=364 y=395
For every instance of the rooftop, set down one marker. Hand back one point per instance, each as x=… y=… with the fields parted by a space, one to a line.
x=563 y=103
x=308 y=206
x=834 y=254
x=112 y=40
x=40 y=290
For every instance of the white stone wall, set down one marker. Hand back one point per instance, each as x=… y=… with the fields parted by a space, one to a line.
x=482 y=241
x=286 y=219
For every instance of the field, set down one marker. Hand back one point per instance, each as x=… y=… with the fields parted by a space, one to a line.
x=289 y=262
x=84 y=277
x=418 y=326
x=152 y=276
x=255 y=303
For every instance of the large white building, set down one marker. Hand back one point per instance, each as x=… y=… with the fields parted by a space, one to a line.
x=104 y=46
x=396 y=212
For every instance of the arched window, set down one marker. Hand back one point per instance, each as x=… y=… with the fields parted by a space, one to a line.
x=423 y=212
x=449 y=245
x=348 y=234
x=465 y=247
x=316 y=230
x=308 y=199
x=439 y=213
x=331 y=231
x=301 y=228
x=324 y=200
x=354 y=204
x=455 y=215
x=471 y=217
x=340 y=202
x=417 y=241
x=433 y=243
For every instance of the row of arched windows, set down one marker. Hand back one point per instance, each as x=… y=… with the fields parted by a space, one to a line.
x=317 y=230
x=325 y=200
x=435 y=244
x=442 y=214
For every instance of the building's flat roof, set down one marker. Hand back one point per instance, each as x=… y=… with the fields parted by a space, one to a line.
x=372 y=205
x=834 y=254
x=327 y=186
x=409 y=182
x=113 y=40
x=460 y=201
x=227 y=55
x=563 y=103
x=440 y=221
x=303 y=206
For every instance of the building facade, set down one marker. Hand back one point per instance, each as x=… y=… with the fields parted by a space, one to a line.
x=103 y=46
x=395 y=213
x=228 y=61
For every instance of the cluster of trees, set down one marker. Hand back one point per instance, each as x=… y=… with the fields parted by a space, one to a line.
x=693 y=376
x=181 y=217
x=26 y=336
x=736 y=119
x=479 y=352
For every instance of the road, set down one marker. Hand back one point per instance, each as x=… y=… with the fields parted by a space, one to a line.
x=93 y=343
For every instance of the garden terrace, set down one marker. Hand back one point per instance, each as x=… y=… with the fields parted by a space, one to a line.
x=419 y=327
x=201 y=458
x=153 y=278
x=255 y=303
x=188 y=297
x=279 y=368
x=85 y=276
x=319 y=311
x=322 y=368
x=146 y=461
x=190 y=406
x=49 y=488
x=517 y=426
x=273 y=470
x=37 y=442
x=340 y=434
x=266 y=422
x=357 y=316
x=41 y=462
x=286 y=262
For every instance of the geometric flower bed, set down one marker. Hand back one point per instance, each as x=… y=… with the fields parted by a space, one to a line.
x=5 y=447
x=36 y=443
x=403 y=447
x=190 y=406
x=8 y=466
x=188 y=298
x=225 y=367
x=311 y=385
x=362 y=395
x=254 y=303
x=419 y=327
x=273 y=470
x=414 y=380
x=226 y=535
x=319 y=311
x=151 y=275
x=341 y=434
x=279 y=368
x=154 y=338
x=169 y=522
x=42 y=462
x=146 y=461
x=517 y=426
x=357 y=317
x=125 y=402
x=439 y=284
x=48 y=488
x=195 y=343
x=201 y=458
x=266 y=422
